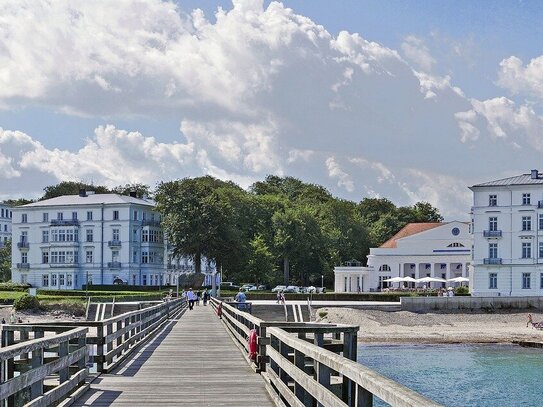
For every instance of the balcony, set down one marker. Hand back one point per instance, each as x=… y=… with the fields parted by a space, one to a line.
x=63 y=265
x=114 y=264
x=492 y=261
x=24 y=266
x=23 y=245
x=492 y=233
x=149 y=222
x=62 y=222
x=114 y=243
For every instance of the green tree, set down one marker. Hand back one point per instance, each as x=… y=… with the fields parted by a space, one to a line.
x=5 y=262
x=260 y=264
x=140 y=189
x=17 y=202
x=71 y=188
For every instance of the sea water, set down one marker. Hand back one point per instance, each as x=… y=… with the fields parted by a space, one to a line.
x=462 y=375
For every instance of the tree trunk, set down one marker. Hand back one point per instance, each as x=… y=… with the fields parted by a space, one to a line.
x=198 y=263
x=286 y=273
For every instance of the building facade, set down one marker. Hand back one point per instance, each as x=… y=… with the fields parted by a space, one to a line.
x=5 y=223
x=507 y=217
x=65 y=242
x=441 y=250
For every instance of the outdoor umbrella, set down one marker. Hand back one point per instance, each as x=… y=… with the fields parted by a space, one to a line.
x=459 y=280
x=431 y=280
x=394 y=280
x=408 y=280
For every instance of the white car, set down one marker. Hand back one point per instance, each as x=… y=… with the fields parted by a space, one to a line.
x=279 y=288
x=292 y=289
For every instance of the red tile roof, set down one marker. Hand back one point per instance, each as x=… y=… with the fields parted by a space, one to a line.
x=409 y=230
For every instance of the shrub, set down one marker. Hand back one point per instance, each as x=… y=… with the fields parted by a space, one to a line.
x=26 y=302
x=74 y=307
x=462 y=290
x=14 y=287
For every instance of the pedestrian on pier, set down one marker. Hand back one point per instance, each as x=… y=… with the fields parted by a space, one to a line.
x=205 y=297
x=191 y=297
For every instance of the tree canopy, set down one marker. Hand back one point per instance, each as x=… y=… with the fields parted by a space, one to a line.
x=279 y=230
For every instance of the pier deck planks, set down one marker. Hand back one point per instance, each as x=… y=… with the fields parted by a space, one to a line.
x=192 y=362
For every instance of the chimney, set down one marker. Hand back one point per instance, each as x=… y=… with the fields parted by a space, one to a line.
x=133 y=194
x=82 y=192
x=535 y=174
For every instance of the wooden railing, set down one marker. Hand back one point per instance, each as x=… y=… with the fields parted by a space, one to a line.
x=310 y=364
x=40 y=366
x=112 y=340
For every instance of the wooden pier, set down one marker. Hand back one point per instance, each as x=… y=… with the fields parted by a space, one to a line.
x=193 y=361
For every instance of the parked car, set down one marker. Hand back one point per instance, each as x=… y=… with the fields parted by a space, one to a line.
x=279 y=288
x=262 y=287
x=249 y=287
x=311 y=289
x=227 y=285
x=292 y=289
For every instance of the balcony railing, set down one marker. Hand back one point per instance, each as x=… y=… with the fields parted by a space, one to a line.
x=149 y=222
x=62 y=222
x=492 y=233
x=63 y=265
x=23 y=245
x=23 y=265
x=114 y=243
x=492 y=261
x=114 y=264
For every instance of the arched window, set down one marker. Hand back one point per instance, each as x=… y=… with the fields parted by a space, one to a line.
x=456 y=244
x=384 y=267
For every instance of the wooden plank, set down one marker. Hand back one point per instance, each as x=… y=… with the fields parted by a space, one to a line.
x=59 y=391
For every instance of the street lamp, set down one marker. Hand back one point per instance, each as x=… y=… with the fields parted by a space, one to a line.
x=322 y=282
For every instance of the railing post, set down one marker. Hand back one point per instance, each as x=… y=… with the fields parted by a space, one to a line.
x=9 y=339
x=100 y=347
x=299 y=391
x=119 y=327
x=36 y=389
x=63 y=374
x=262 y=349
x=349 y=352
x=323 y=377
x=363 y=397
x=127 y=325
x=284 y=350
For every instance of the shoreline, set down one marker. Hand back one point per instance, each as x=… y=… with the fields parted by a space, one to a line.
x=404 y=327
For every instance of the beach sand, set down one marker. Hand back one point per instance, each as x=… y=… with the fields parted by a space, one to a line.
x=409 y=327
x=35 y=317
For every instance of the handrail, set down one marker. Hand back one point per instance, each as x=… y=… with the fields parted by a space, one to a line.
x=66 y=356
x=283 y=358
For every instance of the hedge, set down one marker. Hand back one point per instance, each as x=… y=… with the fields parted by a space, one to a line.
x=126 y=287
x=14 y=287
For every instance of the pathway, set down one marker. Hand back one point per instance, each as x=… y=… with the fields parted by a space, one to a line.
x=193 y=361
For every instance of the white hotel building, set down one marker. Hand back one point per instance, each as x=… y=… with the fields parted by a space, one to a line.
x=5 y=224
x=507 y=218
x=441 y=250
x=64 y=242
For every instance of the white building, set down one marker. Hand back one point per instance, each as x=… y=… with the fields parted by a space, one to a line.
x=441 y=250
x=507 y=217
x=181 y=266
x=64 y=242
x=5 y=224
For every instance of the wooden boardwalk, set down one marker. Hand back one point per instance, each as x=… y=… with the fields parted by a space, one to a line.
x=193 y=361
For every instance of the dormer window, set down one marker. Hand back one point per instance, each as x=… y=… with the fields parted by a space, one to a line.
x=456 y=244
x=493 y=200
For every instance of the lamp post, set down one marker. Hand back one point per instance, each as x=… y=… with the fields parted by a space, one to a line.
x=322 y=282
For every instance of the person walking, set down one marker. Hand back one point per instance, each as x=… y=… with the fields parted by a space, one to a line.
x=205 y=297
x=191 y=297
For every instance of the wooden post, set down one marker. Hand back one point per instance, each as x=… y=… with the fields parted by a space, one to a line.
x=299 y=391
x=36 y=389
x=349 y=351
x=24 y=338
x=318 y=339
x=363 y=397
x=126 y=325
x=284 y=349
x=82 y=343
x=64 y=374
x=119 y=327
x=100 y=348
x=262 y=349
x=323 y=377
x=10 y=365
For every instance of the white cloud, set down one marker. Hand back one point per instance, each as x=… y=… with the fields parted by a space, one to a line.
x=519 y=79
x=335 y=172
x=417 y=52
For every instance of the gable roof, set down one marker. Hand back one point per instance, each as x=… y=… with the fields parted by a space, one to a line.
x=523 y=179
x=409 y=230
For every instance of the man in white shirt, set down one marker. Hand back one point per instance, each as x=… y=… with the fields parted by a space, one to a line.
x=191 y=297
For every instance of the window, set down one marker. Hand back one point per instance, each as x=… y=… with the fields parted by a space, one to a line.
x=145 y=279
x=45 y=257
x=135 y=256
x=45 y=236
x=135 y=215
x=24 y=236
x=60 y=216
x=24 y=218
x=115 y=234
x=526 y=199
x=24 y=258
x=74 y=217
x=456 y=244
x=114 y=255
x=540 y=250
x=493 y=223
x=53 y=280
x=526 y=223
x=541 y=281
x=144 y=235
x=526 y=250
x=492 y=281
x=89 y=215
x=145 y=257
x=526 y=281
x=384 y=267
x=88 y=256
x=115 y=215
x=45 y=217
x=492 y=200
x=61 y=278
x=69 y=280
x=541 y=221
x=45 y=280
x=493 y=250
x=134 y=279
x=90 y=236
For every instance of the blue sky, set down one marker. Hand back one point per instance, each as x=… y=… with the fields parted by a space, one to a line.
x=411 y=100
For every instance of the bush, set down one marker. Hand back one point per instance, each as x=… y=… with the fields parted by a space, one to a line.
x=14 y=287
x=26 y=302
x=462 y=290
x=74 y=307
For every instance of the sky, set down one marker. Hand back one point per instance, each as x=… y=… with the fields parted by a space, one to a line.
x=408 y=100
